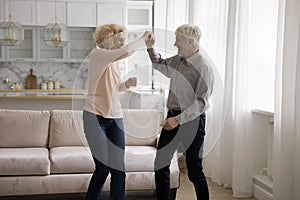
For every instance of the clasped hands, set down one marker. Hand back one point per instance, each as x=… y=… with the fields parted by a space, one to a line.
x=149 y=38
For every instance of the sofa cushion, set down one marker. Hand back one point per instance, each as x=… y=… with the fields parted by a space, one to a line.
x=24 y=128
x=139 y=158
x=142 y=126
x=66 y=128
x=24 y=161
x=71 y=159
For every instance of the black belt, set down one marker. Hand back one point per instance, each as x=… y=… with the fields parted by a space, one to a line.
x=174 y=112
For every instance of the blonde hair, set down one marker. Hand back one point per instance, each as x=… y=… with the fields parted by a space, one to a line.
x=191 y=32
x=106 y=31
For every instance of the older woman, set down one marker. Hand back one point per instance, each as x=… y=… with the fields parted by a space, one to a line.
x=102 y=116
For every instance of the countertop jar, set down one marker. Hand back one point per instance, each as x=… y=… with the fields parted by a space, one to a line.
x=56 y=84
x=44 y=86
x=50 y=85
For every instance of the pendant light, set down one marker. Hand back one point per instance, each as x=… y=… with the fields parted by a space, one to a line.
x=56 y=34
x=11 y=32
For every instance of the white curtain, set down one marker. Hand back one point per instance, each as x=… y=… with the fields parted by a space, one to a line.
x=286 y=170
x=230 y=153
x=228 y=37
x=225 y=26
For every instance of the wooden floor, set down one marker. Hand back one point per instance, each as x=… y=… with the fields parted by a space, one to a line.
x=217 y=192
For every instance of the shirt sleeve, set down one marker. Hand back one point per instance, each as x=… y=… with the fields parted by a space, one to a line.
x=160 y=64
x=107 y=56
x=101 y=58
x=122 y=87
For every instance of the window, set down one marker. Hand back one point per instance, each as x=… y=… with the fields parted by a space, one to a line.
x=262 y=54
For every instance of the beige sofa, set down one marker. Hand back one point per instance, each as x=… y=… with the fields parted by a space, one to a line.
x=45 y=152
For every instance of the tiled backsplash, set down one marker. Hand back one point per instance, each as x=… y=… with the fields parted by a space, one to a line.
x=70 y=75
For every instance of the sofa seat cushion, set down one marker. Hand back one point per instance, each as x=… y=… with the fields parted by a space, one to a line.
x=24 y=161
x=139 y=158
x=71 y=159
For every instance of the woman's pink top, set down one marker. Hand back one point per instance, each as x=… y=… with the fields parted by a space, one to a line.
x=104 y=80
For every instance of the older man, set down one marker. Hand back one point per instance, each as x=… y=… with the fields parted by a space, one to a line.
x=191 y=85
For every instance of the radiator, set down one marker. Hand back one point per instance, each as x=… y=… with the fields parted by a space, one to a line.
x=263 y=183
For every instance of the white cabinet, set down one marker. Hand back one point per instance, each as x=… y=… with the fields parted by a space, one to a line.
x=81 y=14
x=111 y=13
x=1 y=10
x=2 y=51
x=2 y=55
x=139 y=19
x=46 y=53
x=26 y=51
x=35 y=12
x=139 y=14
x=45 y=12
x=22 y=11
x=81 y=43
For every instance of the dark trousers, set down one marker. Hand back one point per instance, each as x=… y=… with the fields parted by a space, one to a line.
x=188 y=137
x=107 y=143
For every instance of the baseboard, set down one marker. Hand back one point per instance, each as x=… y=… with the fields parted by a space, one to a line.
x=262 y=187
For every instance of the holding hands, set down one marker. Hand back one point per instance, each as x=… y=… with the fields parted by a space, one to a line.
x=149 y=39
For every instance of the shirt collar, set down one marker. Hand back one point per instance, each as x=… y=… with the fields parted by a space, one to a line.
x=193 y=58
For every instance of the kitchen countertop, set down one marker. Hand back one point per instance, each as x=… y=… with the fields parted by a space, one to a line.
x=63 y=93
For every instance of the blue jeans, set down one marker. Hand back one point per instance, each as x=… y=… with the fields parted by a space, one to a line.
x=188 y=137
x=107 y=143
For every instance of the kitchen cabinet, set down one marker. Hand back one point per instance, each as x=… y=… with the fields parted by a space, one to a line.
x=1 y=10
x=111 y=13
x=22 y=11
x=2 y=55
x=139 y=14
x=81 y=43
x=81 y=14
x=46 y=53
x=139 y=19
x=45 y=12
x=81 y=18
x=26 y=51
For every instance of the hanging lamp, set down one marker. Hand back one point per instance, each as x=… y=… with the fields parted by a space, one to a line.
x=56 y=34
x=11 y=32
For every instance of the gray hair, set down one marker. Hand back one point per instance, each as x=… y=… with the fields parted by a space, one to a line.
x=192 y=32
